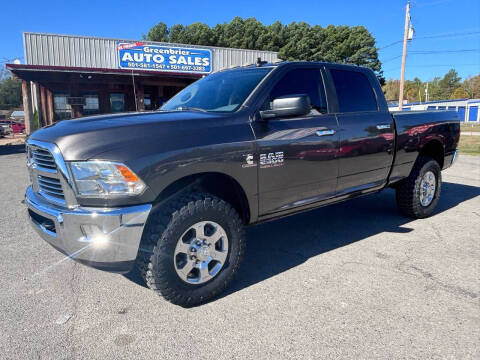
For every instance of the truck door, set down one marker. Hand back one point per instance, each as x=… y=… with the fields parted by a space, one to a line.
x=297 y=155
x=367 y=134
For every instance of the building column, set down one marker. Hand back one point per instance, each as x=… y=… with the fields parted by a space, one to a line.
x=140 y=96
x=51 y=110
x=43 y=101
x=36 y=104
x=103 y=101
x=27 y=106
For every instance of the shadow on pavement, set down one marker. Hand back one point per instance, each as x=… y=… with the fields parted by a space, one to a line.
x=277 y=246
x=12 y=149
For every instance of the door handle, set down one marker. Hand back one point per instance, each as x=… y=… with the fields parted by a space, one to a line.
x=383 y=126
x=326 y=132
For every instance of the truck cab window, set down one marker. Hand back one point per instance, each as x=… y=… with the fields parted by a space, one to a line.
x=302 y=81
x=354 y=91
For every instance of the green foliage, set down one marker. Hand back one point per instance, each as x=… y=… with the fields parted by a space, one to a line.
x=447 y=87
x=449 y=83
x=158 y=33
x=295 y=41
x=472 y=86
x=10 y=93
x=391 y=89
x=459 y=93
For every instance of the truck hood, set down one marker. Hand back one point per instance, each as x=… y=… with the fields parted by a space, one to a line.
x=87 y=138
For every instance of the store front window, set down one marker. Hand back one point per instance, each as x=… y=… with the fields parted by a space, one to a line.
x=117 y=102
x=62 y=109
x=91 y=106
x=147 y=102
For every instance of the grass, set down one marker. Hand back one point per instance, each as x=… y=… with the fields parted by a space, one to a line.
x=470 y=127
x=469 y=144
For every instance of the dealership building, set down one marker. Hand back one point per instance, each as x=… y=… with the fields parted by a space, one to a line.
x=67 y=76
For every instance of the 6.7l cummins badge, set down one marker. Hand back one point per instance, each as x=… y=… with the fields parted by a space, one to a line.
x=271 y=159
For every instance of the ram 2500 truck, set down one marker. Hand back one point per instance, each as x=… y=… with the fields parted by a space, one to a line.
x=169 y=192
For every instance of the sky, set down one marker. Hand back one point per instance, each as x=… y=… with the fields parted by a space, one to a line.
x=446 y=31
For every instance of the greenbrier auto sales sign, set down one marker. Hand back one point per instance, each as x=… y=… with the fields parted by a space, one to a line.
x=143 y=56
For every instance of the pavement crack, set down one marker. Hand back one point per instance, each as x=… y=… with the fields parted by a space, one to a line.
x=458 y=290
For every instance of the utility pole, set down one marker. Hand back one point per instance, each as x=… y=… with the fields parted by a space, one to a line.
x=404 y=56
x=426 y=93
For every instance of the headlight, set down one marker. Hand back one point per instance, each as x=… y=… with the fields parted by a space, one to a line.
x=105 y=178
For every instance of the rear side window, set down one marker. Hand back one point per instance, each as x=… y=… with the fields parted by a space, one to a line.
x=302 y=81
x=354 y=91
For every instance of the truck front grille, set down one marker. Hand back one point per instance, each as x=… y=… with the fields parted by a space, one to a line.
x=42 y=158
x=50 y=186
x=45 y=165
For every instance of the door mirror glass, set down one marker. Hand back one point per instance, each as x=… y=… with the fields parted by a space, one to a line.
x=286 y=106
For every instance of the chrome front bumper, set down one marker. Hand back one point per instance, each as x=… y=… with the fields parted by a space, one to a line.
x=104 y=238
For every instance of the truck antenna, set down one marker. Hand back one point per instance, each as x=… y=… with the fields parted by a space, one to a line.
x=260 y=62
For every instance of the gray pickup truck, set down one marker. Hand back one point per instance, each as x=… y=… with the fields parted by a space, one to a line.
x=169 y=192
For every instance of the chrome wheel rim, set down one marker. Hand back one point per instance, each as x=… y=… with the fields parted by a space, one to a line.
x=201 y=252
x=427 y=188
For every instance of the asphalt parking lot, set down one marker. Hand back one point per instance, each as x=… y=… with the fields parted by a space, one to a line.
x=354 y=280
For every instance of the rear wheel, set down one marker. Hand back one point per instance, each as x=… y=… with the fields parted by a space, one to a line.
x=192 y=249
x=418 y=195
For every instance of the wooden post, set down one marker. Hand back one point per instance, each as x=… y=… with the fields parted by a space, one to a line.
x=27 y=106
x=140 y=97
x=103 y=102
x=43 y=101
x=51 y=110
x=404 y=57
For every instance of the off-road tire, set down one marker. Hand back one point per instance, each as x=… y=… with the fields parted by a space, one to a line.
x=408 y=192
x=166 y=225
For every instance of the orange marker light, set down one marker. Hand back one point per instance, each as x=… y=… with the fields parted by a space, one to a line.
x=127 y=174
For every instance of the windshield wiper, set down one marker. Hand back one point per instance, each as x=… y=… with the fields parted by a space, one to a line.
x=187 y=108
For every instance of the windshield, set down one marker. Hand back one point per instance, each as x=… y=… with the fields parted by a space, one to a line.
x=223 y=91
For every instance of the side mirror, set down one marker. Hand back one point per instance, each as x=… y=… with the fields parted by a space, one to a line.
x=290 y=105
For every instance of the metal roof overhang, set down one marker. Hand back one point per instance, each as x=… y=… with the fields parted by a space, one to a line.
x=44 y=73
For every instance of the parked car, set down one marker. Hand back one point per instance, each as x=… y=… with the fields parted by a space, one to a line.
x=18 y=127
x=171 y=191
x=6 y=125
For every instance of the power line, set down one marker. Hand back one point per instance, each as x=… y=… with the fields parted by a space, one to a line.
x=438 y=2
x=431 y=52
x=393 y=58
x=434 y=65
x=387 y=46
x=427 y=52
x=435 y=36
x=445 y=35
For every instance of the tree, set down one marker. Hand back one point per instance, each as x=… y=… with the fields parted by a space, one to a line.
x=295 y=41
x=273 y=38
x=158 y=33
x=10 y=93
x=459 y=93
x=414 y=90
x=472 y=86
x=434 y=90
x=391 y=89
x=449 y=83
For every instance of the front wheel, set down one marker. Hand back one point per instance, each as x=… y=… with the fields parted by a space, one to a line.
x=193 y=247
x=418 y=195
